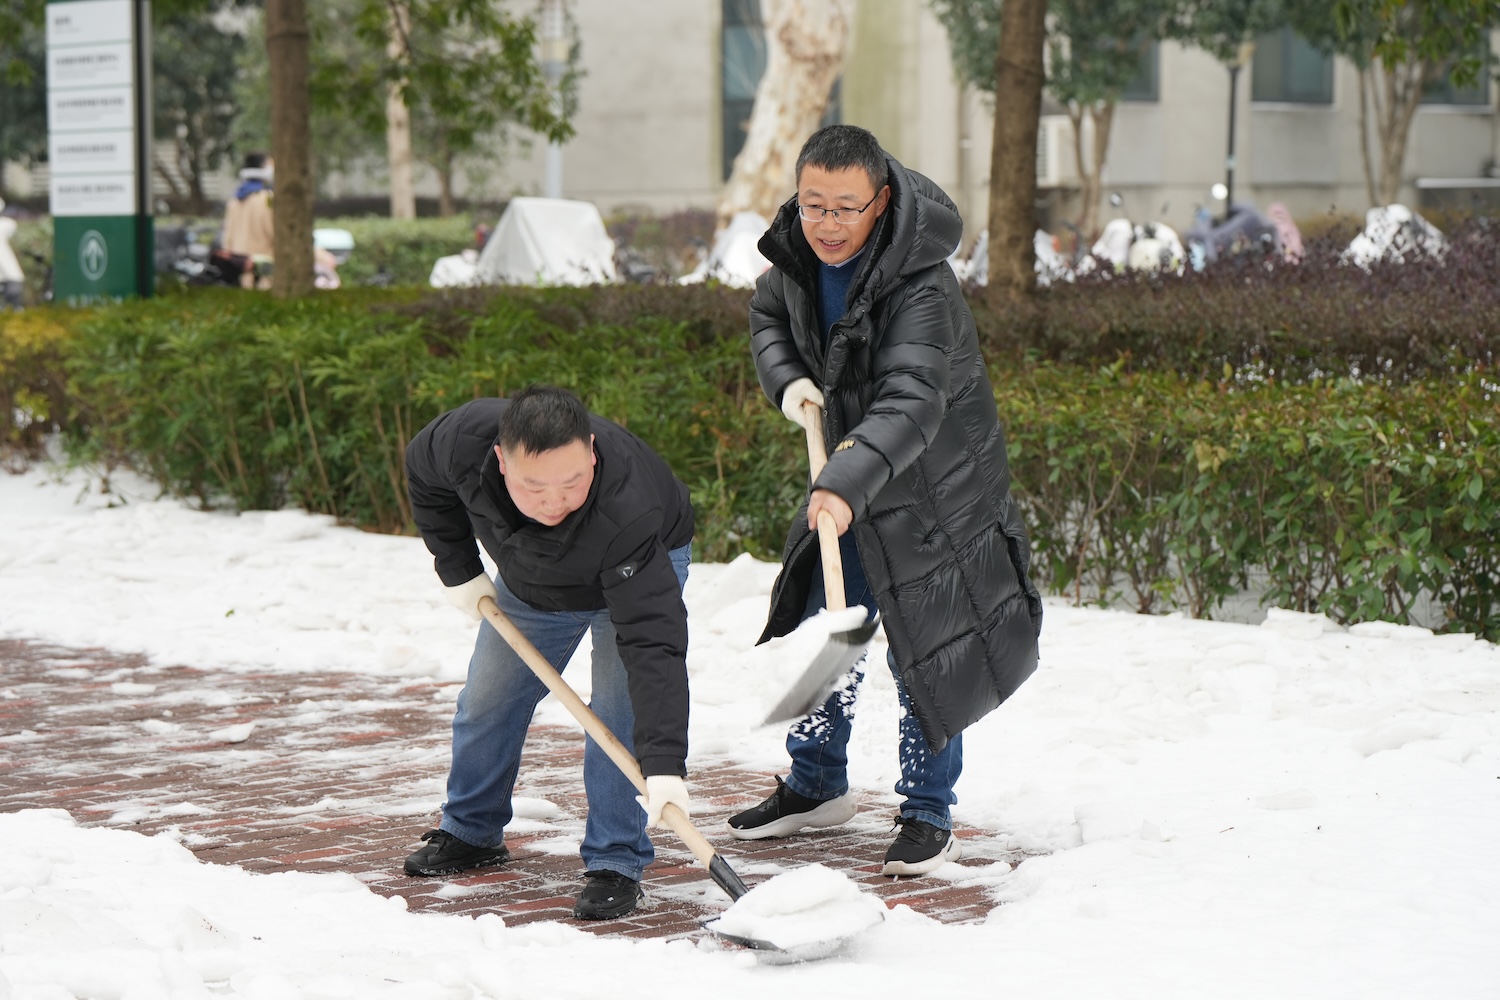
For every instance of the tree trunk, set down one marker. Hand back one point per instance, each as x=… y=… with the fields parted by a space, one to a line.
x=179 y=196
x=1366 y=87
x=188 y=149
x=291 y=146
x=398 y=153
x=1103 y=115
x=398 y=125
x=1019 y=77
x=1394 y=93
x=446 y=206
x=1090 y=168
x=1087 y=193
x=805 y=45
x=197 y=201
x=1411 y=80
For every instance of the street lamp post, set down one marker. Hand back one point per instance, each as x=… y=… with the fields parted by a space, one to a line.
x=1242 y=58
x=1234 y=78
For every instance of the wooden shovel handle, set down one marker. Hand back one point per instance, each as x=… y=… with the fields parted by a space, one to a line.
x=674 y=817
x=828 y=531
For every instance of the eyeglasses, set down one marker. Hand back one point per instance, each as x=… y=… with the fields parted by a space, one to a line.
x=841 y=216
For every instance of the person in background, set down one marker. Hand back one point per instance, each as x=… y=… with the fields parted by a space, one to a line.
x=592 y=533
x=861 y=316
x=249 y=232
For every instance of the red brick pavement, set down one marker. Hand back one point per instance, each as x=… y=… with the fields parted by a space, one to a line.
x=342 y=771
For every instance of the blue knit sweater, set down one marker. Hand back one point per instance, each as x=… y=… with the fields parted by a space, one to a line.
x=833 y=290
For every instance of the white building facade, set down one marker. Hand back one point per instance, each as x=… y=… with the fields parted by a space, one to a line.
x=668 y=84
x=665 y=90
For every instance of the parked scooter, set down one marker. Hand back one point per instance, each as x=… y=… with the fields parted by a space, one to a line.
x=190 y=253
x=331 y=247
x=1242 y=230
x=1125 y=245
x=1050 y=265
x=1288 y=236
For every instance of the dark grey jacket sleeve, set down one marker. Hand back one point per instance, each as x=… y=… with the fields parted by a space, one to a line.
x=645 y=606
x=435 y=506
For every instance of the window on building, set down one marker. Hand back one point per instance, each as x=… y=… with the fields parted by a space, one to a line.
x=743 y=61
x=1475 y=92
x=1144 y=85
x=1287 y=69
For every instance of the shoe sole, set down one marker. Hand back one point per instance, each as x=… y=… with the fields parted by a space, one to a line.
x=453 y=869
x=834 y=812
x=951 y=852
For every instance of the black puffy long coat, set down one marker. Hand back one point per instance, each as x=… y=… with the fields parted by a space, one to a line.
x=915 y=448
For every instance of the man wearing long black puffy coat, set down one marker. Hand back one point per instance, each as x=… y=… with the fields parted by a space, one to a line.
x=861 y=316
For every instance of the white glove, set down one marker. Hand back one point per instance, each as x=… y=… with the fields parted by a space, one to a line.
x=798 y=392
x=465 y=597
x=660 y=790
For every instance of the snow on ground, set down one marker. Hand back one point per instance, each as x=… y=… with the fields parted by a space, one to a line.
x=1291 y=809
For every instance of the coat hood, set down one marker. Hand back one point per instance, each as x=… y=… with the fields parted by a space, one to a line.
x=249 y=187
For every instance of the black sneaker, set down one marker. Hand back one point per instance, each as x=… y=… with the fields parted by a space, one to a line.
x=920 y=848
x=445 y=854
x=786 y=812
x=606 y=896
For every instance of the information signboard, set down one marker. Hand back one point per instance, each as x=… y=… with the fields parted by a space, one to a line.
x=98 y=141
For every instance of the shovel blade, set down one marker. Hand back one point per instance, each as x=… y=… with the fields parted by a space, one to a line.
x=802 y=915
x=770 y=953
x=813 y=686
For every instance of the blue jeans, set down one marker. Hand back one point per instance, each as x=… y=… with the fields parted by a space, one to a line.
x=819 y=744
x=495 y=709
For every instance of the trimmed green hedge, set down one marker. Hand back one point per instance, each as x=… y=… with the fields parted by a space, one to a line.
x=1393 y=322
x=1169 y=491
x=1350 y=499
x=246 y=401
x=34 y=348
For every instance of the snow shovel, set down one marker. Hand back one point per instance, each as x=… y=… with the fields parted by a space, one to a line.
x=844 y=647
x=800 y=950
x=674 y=817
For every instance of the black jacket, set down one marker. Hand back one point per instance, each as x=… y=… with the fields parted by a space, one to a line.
x=915 y=448
x=610 y=553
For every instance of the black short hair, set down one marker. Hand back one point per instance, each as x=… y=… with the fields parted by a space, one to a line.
x=255 y=161
x=839 y=147
x=541 y=418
